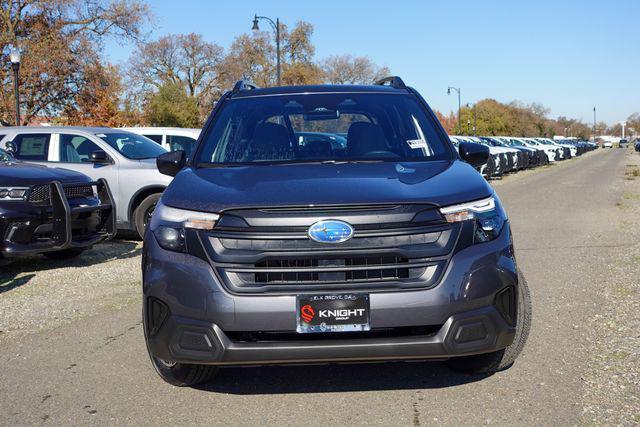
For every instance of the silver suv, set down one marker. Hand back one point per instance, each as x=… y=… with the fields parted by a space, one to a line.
x=126 y=160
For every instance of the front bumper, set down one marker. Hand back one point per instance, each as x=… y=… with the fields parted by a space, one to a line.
x=65 y=226
x=190 y=317
x=191 y=341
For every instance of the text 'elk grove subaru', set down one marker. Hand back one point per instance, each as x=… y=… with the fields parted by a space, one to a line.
x=319 y=224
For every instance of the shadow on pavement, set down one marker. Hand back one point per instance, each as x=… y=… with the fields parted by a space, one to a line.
x=336 y=378
x=11 y=271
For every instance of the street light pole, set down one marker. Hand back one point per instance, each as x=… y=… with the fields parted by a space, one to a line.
x=594 y=125
x=14 y=56
x=457 y=89
x=276 y=28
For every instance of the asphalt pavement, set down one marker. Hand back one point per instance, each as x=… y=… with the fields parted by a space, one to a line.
x=565 y=221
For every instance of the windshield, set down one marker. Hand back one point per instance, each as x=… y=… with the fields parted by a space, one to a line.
x=494 y=142
x=322 y=127
x=132 y=146
x=516 y=143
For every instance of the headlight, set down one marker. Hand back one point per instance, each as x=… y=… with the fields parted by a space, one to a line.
x=487 y=215
x=169 y=225
x=13 y=193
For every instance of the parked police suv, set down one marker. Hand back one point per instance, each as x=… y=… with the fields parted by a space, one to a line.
x=272 y=248
x=56 y=212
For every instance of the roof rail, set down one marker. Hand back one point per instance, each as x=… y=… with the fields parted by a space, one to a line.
x=242 y=85
x=393 y=81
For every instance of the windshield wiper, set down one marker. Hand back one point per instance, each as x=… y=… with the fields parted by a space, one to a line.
x=292 y=162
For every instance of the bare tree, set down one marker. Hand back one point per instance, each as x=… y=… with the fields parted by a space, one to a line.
x=183 y=60
x=349 y=69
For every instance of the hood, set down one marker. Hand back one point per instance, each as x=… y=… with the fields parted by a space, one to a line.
x=219 y=189
x=27 y=174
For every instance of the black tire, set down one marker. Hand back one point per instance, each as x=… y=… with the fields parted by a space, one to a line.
x=490 y=363
x=183 y=374
x=64 y=254
x=142 y=213
x=178 y=374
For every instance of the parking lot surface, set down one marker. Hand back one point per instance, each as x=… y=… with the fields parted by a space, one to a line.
x=72 y=345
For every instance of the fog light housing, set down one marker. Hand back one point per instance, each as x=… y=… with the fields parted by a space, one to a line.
x=170 y=238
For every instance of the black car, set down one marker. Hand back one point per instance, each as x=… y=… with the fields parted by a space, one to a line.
x=56 y=212
x=264 y=250
x=525 y=160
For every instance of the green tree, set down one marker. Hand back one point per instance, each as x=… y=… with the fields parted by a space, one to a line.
x=172 y=106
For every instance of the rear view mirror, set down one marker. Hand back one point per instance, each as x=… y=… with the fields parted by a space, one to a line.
x=99 y=156
x=171 y=163
x=474 y=154
x=322 y=113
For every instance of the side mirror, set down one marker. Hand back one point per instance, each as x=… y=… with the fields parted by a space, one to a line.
x=11 y=147
x=99 y=156
x=474 y=154
x=171 y=163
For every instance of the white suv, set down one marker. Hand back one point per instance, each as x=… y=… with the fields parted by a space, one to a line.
x=126 y=160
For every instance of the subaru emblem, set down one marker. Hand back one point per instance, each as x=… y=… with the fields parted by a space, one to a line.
x=330 y=231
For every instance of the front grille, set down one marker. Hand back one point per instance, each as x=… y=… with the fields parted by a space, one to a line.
x=39 y=193
x=316 y=270
x=401 y=247
x=284 y=336
x=42 y=193
x=78 y=191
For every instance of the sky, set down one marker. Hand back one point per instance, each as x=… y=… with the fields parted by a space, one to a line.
x=568 y=55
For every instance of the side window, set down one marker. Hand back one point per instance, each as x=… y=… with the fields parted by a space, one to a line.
x=185 y=143
x=76 y=149
x=155 y=138
x=32 y=146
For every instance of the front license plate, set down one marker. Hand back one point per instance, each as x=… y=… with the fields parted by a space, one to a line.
x=333 y=313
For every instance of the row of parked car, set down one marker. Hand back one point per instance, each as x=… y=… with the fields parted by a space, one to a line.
x=511 y=154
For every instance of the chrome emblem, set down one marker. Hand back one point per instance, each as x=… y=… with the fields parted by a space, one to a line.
x=330 y=231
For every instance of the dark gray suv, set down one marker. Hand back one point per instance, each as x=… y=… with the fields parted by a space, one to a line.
x=320 y=224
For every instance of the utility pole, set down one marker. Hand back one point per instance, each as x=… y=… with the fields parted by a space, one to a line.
x=457 y=89
x=475 y=119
